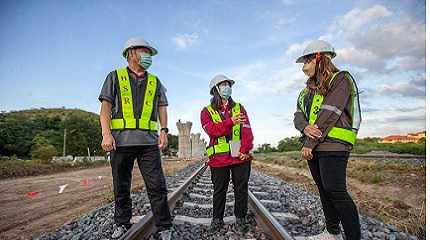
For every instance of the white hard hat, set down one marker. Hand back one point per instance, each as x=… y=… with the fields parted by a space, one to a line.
x=137 y=42
x=318 y=46
x=218 y=79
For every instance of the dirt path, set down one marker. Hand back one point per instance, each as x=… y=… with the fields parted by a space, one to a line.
x=401 y=203
x=410 y=196
x=24 y=216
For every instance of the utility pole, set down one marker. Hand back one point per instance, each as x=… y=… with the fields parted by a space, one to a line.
x=64 y=142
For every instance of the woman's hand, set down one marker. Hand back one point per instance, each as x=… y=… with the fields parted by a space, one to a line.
x=312 y=131
x=243 y=156
x=307 y=153
x=238 y=119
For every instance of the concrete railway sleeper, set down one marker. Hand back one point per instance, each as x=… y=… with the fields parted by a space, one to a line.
x=192 y=209
x=277 y=210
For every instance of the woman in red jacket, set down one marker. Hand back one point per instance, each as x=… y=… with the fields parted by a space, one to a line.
x=231 y=139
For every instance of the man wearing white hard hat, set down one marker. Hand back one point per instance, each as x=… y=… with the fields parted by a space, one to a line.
x=328 y=116
x=227 y=125
x=133 y=119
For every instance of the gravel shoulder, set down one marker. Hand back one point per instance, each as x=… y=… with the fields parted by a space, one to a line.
x=401 y=205
x=24 y=216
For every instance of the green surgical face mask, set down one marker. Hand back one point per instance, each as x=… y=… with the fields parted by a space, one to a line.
x=225 y=91
x=145 y=60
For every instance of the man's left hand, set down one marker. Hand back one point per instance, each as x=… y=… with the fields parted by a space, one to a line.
x=162 y=140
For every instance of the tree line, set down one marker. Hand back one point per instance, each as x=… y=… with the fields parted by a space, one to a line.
x=39 y=133
x=364 y=145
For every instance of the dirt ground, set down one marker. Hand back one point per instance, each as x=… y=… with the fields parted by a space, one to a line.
x=31 y=206
x=399 y=201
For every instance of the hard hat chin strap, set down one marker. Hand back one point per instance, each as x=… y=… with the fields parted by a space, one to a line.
x=217 y=88
x=318 y=56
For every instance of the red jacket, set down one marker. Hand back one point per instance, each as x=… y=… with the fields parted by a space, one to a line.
x=215 y=130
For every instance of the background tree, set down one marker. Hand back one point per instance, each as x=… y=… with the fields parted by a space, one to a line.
x=289 y=144
x=42 y=149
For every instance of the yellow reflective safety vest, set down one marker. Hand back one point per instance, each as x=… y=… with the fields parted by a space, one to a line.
x=222 y=145
x=128 y=121
x=343 y=134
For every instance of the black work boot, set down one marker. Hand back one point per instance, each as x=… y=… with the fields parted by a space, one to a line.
x=241 y=225
x=216 y=226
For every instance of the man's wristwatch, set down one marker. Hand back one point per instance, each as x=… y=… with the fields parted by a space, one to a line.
x=166 y=130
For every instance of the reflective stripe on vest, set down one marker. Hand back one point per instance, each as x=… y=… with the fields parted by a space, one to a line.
x=222 y=145
x=343 y=134
x=128 y=121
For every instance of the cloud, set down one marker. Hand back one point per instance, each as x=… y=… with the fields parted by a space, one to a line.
x=185 y=40
x=408 y=63
x=393 y=120
x=414 y=88
x=273 y=77
x=373 y=54
x=288 y=2
x=410 y=109
x=366 y=109
x=355 y=19
x=419 y=80
x=283 y=22
x=403 y=38
x=353 y=34
x=379 y=41
x=402 y=89
x=361 y=58
x=398 y=119
x=297 y=48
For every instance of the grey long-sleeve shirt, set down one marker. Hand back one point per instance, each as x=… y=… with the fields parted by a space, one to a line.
x=334 y=112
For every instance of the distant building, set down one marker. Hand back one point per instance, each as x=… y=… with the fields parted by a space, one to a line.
x=410 y=138
x=418 y=135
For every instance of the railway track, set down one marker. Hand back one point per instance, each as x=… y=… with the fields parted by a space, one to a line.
x=277 y=210
x=192 y=197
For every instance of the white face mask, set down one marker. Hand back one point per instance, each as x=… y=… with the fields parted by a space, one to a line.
x=309 y=68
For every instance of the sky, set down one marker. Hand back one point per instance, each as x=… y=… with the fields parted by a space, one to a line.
x=58 y=53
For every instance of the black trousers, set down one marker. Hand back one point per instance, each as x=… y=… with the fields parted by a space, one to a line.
x=328 y=170
x=149 y=161
x=220 y=177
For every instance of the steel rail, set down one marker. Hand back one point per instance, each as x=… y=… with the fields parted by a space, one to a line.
x=265 y=219
x=145 y=227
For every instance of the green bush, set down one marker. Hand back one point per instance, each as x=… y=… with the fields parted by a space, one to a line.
x=42 y=149
x=43 y=152
x=289 y=144
x=265 y=148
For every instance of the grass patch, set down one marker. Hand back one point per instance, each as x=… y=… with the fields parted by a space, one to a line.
x=367 y=172
x=377 y=171
x=289 y=159
x=368 y=145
